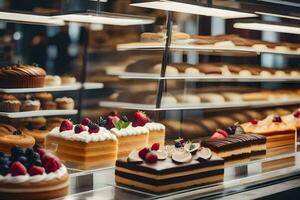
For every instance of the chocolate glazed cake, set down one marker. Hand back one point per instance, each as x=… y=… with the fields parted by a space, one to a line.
x=237 y=148
x=164 y=176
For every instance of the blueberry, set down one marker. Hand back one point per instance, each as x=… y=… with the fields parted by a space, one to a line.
x=29 y=152
x=34 y=156
x=17 y=152
x=2 y=154
x=178 y=145
x=37 y=163
x=4 y=161
x=77 y=128
x=231 y=130
x=4 y=170
x=22 y=159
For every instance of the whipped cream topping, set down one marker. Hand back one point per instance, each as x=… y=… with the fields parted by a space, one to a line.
x=34 y=179
x=130 y=131
x=102 y=135
x=154 y=126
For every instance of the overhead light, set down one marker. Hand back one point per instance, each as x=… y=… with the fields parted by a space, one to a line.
x=93 y=17
x=193 y=8
x=278 y=15
x=26 y=18
x=267 y=26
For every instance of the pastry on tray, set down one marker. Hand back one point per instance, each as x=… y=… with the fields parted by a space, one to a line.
x=83 y=146
x=22 y=76
x=52 y=80
x=160 y=170
x=161 y=36
x=30 y=105
x=17 y=138
x=32 y=174
x=68 y=80
x=65 y=103
x=9 y=103
x=211 y=98
x=38 y=134
x=6 y=129
x=281 y=135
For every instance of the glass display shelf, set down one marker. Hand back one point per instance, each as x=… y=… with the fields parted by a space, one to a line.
x=73 y=87
x=185 y=106
x=200 y=78
x=237 y=178
x=204 y=48
x=38 y=113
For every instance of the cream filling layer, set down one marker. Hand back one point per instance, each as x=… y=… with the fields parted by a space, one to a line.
x=239 y=151
x=172 y=175
x=258 y=147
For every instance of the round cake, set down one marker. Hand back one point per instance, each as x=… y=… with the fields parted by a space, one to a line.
x=32 y=174
x=22 y=76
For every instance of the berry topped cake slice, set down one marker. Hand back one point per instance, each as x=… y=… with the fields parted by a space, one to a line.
x=158 y=171
x=156 y=130
x=129 y=137
x=31 y=174
x=83 y=146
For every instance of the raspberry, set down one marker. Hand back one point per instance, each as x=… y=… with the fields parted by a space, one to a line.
x=217 y=135
x=66 y=125
x=35 y=170
x=155 y=146
x=52 y=165
x=86 y=121
x=151 y=157
x=254 y=121
x=93 y=128
x=143 y=152
x=17 y=169
x=297 y=114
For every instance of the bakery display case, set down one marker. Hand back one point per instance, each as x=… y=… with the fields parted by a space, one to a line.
x=174 y=99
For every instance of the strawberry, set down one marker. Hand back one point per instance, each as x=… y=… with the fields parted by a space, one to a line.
x=110 y=121
x=17 y=169
x=79 y=128
x=46 y=157
x=86 y=121
x=254 y=121
x=297 y=114
x=140 y=119
x=52 y=165
x=155 y=146
x=66 y=125
x=143 y=152
x=222 y=132
x=151 y=157
x=93 y=128
x=36 y=170
x=217 y=135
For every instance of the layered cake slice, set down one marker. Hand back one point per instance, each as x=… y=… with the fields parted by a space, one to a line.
x=153 y=171
x=83 y=146
x=32 y=174
x=238 y=147
x=156 y=130
x=281 y=135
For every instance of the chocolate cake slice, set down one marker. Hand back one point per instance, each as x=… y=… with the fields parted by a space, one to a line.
x=166 y=175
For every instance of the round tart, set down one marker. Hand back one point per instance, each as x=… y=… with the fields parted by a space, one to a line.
x=22 y=76
x=19 y=139
x=65 y=103
x=30 y=174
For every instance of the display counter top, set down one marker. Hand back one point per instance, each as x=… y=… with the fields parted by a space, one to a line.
x=237 y=179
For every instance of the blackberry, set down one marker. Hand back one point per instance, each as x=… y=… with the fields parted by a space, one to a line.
x=93 y=126
x=4 y=161
x=29 y=152
x=124 y=118
x=101 y=122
